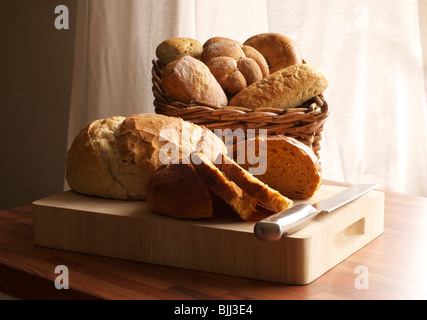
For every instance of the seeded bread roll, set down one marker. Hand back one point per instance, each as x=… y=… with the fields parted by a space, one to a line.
x=188 y=79
x=172 y=49
x=286 y=88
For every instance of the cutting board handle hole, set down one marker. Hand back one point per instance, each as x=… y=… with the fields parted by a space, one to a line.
x=350 y=233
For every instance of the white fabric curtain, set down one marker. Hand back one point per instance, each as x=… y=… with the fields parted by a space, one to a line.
x=371 y=52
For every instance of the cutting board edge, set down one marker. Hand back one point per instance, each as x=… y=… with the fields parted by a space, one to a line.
x=179 y=255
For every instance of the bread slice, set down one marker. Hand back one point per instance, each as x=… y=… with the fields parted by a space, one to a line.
x=257 y=189
x=177 y=191
x=292 y=167
x=239 y=200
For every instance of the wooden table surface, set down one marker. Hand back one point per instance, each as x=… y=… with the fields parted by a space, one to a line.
x=393 y=266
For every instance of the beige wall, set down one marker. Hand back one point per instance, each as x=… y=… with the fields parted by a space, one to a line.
x=36 y=72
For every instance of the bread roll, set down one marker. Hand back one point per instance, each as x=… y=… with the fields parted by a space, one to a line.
x=292 y=167
x=115 y=157
x=177 y=191
x=225 y=71
x=220 y=39
x=253 y=54
x=279 y=50
x=172 y=49
x=233 y=65
x=286 y=88
x=188 y=79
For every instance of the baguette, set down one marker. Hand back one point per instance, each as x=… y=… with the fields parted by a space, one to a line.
x=286 y=88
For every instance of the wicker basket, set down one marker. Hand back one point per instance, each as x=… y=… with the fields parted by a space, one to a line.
x=304 y=123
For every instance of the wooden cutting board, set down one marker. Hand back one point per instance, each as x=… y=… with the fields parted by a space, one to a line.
x=223 y=244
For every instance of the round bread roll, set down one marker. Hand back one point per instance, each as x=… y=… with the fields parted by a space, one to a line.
x=222 y=49
x=279 y=50
x=172 y=49
x=219 y=39
x=233 y=65
x=188 y=79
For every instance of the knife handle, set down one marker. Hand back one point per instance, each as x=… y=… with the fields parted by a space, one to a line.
x=285 y=222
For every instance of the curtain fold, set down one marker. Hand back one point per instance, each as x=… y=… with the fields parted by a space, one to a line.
x=371 y=52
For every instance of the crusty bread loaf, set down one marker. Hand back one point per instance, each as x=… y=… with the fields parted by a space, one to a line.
x=172 y=49
x=92 y=158
x=239 y=200
x=286 y=88
x=292 y=167
x=115 y=157
x=188 y=79
x=267 y=196
x=176 y=190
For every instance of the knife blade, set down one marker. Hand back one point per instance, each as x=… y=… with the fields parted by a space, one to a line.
x=286 y=222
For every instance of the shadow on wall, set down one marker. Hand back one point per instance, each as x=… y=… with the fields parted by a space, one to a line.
x=37 y=62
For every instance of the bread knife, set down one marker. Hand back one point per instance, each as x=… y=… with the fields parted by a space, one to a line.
x=293 y=219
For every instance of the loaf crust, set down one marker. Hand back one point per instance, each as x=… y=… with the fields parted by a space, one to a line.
x=286 y=88
x=172 y=49
x=177 y=191
x=188 y=79
x=92 y=158
x=292 y=167
x=115 y=157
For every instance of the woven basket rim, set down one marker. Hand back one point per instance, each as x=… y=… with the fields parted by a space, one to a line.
x=305 y=122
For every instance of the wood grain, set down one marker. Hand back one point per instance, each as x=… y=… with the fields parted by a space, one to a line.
x=396 y=262
x=222 y=244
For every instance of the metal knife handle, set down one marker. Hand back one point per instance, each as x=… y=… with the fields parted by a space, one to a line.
x=282 y=223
